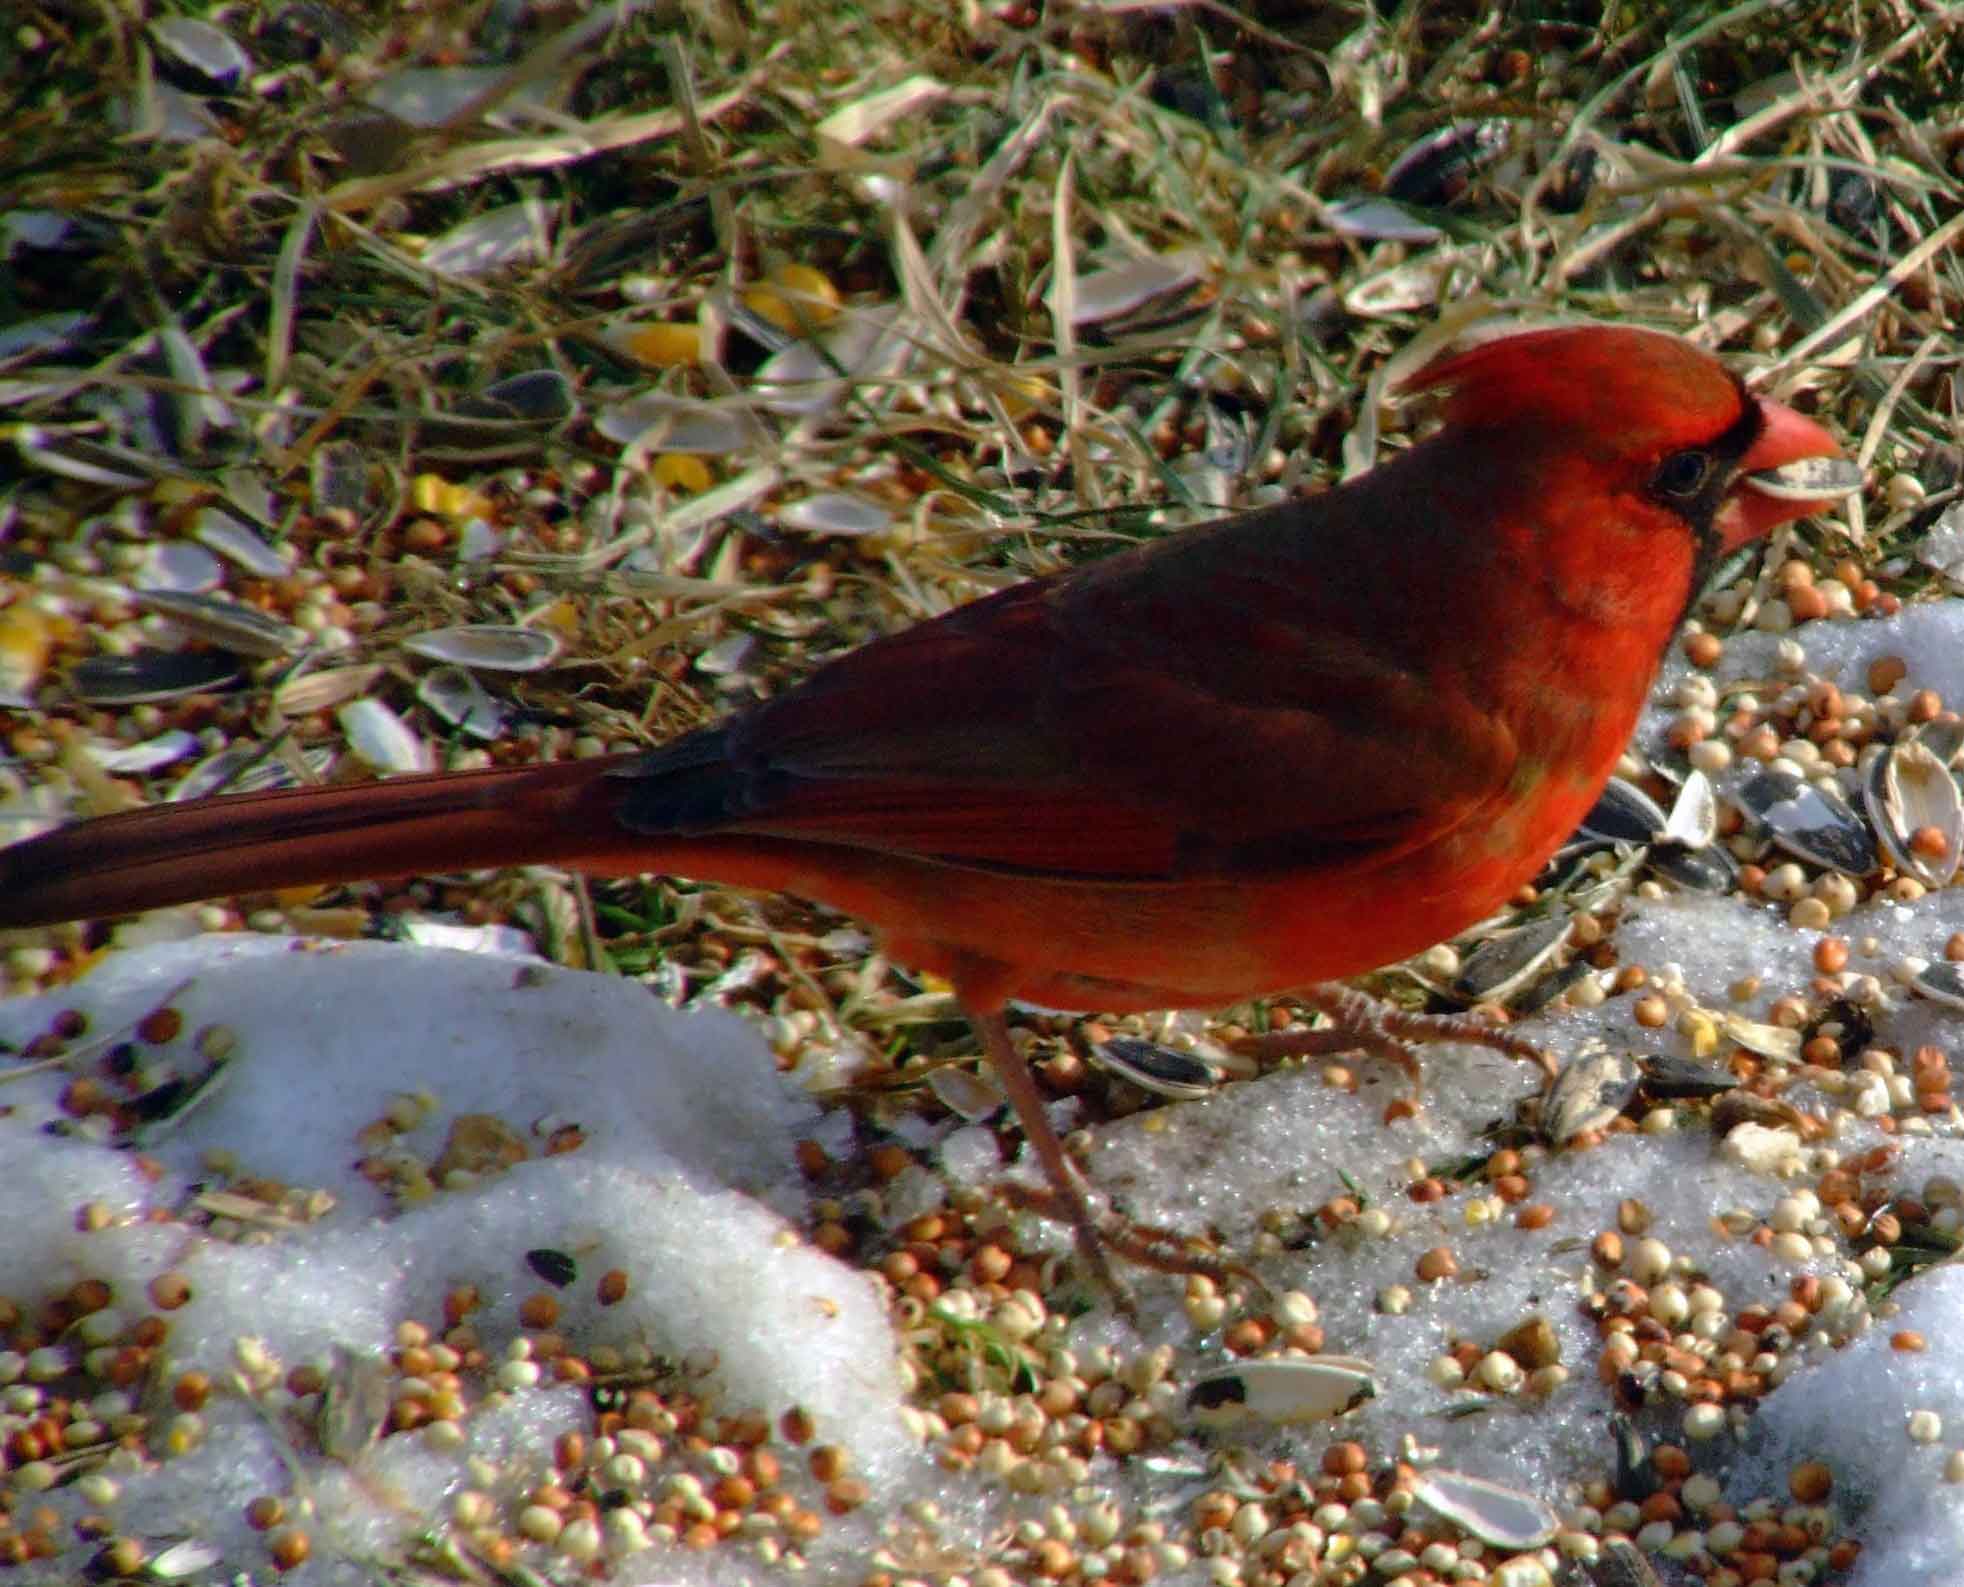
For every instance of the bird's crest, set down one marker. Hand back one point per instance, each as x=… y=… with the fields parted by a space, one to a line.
x=1642 y=387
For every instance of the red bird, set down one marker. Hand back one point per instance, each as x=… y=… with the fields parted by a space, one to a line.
x=1274 y=751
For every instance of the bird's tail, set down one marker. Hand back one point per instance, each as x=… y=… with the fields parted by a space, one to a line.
x=561 y=813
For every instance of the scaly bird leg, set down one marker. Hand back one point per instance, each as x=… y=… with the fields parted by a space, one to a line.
x=1360 y=1022
x=1065 y=1200
x=1020 y=1085
x=1143 y=1244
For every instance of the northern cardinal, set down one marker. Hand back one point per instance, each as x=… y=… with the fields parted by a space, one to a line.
x=1281 y=749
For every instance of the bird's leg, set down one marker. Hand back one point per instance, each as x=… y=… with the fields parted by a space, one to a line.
x=1097 y=1238
x=1020 y=1085
x=1360 y=1022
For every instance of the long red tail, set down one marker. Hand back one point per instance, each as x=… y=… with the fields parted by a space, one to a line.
x=560 y=813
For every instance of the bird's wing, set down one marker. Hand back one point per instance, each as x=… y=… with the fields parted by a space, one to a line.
x=1144 y=719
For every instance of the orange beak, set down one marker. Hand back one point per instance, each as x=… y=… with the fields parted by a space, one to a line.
x=1793 y=469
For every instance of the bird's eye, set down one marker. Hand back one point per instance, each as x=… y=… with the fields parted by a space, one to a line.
x=1682 y=475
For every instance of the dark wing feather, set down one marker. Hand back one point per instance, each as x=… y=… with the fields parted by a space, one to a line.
x=1203 y=705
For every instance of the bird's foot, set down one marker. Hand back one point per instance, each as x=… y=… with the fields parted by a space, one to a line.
x=1143 y=1244
x=1098 y=1238
x=1359 y=1022
x=1090 y=1233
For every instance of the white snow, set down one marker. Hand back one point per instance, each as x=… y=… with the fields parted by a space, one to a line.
x=683 y=1182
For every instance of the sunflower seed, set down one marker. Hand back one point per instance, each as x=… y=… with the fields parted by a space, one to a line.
x=224 y=621
x=1437 y=170
x=728 y=657
x=1668 y=1077
x=231 y=537
x=1943 y=738
x=247 y=768
x=1808 y=821
x=964 y=1093
x=428 y=96
x=493 y=241
x=338 y=478
x=91 y=462
x=1918 y=814
x=541 y=394
x=1378 y=219
x=1855 y=203
x=42 y=333
x=1543 y=993
x=1504 y=963
x=181 y=568
x=658 y=422
x=1569 y=188
x=1118 y=289
x=1157 y=1069
x=1623 y=813
x=835 y=513
x=806 y=379
x=460 y=700
x=1636 y=1478
x=1693 y=820
x=491 y=647
x=381 y=738
x=1769 y=1041
x=1848 y=1024
x=1943 y=547
x=503 y=942
x=148 y=676
x=504 y=420
x=164 y=1107
x=477 y=540
x=184 y=1559
x=207 y=50
x=164 y=113
x=1295 y=1389
x=1498 y=1516
x=1942 y=982
x=1621 y=1564
x=354 y=1406
x=1809 y=479
x=1403 y=289
x=1588 y=1093
x=322 y=691
x=554 y=1266
x=1706 y=870
x=193 y=408
x=153 y=754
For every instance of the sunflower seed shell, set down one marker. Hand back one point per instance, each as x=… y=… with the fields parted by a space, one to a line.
x=1154 y=1068
x=1588 y=1093
x=1297 y=1389
x=1498 y=1516
x=1914 y=804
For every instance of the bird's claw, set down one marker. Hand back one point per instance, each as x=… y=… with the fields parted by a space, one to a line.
x=1359 y=1022
x=1143 y=1244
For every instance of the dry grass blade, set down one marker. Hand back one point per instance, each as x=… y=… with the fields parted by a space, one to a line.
x=853 y=124
x=1865 y=303
x=1063 y=308
x=474 y=162
x=942 y=339
x=721 y=205
x=283 y=297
